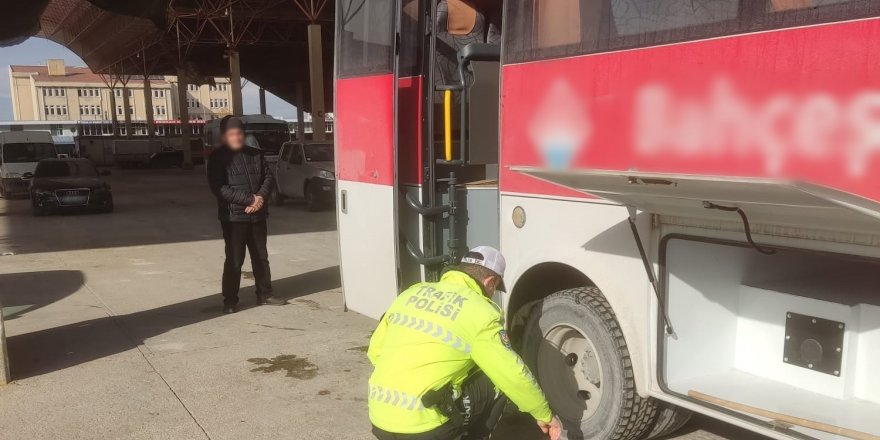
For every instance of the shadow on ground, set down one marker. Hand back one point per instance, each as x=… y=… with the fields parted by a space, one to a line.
x=44 y=288
x=44 y=351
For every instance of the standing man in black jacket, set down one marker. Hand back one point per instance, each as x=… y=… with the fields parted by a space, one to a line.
x=239 y=177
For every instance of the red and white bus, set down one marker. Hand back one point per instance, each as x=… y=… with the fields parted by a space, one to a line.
x=687 y=193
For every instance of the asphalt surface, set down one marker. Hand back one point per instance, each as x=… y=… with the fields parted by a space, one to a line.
x=114 y=326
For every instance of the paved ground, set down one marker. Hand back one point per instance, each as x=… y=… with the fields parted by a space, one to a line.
x=115 y=329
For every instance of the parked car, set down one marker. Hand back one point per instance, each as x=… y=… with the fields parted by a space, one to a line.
x=306 y=170
x=19 y=153
x=68 y=185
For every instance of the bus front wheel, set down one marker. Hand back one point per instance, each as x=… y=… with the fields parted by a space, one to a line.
x=574 y=346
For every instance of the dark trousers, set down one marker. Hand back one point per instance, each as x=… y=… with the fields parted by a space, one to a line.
x=480 y=406
x=241 y=236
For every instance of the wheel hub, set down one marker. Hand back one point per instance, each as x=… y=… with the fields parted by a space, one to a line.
x=570 y=372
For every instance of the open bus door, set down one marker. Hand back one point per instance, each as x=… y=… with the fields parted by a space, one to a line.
x=448 y=136
x=365 y=153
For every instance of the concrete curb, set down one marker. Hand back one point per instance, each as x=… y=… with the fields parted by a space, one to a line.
x=4 y=356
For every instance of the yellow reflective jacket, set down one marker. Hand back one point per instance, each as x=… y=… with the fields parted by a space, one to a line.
x=433 y=334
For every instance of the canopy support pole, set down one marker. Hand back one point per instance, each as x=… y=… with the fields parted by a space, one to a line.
x=183 y=106
x=316 y=77
x=300 y=113
x=148 y=107
x=235 y=79
x=126 y=108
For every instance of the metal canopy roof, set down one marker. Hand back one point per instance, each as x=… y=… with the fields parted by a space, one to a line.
x=134 y=37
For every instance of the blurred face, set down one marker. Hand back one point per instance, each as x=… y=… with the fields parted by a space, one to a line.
x=234 y=138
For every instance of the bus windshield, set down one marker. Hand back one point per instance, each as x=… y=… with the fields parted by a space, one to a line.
x=318 y=152
x=67 y=168
x=27 y=152
x=269 y=136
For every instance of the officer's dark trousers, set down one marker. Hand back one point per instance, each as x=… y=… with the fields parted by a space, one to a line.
x=480 y=406
x=241 y=237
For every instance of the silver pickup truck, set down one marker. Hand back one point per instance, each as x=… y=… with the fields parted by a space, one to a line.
x=305 y=170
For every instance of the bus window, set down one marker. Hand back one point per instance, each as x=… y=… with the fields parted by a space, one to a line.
x=542 y=29
x=365 y=35
x=557 y=22
x=638 y=17
x=792 y=5
x=410 y=41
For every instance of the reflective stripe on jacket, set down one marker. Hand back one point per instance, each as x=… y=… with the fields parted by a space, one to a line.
x=434 y=334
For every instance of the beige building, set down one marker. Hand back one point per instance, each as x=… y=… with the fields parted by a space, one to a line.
x=56 y=92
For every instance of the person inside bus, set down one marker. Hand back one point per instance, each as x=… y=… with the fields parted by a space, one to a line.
x=240 y=179
x=443 y=365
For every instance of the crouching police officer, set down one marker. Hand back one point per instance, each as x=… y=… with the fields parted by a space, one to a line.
x=440 y=352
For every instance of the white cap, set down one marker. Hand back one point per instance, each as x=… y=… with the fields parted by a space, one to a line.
x=488 y=257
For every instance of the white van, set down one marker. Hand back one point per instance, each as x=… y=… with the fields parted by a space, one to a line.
x=19 y=153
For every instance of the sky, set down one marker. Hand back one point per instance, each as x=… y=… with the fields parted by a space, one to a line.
x=35 y=51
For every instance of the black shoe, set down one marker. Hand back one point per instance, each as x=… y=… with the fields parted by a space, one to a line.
x=270 y=301
x=229 y=309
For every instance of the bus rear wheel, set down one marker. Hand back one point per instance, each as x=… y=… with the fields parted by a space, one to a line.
x=576 y=349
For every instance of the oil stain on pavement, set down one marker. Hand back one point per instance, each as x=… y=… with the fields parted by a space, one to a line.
x=296 y=367
x=312 y=304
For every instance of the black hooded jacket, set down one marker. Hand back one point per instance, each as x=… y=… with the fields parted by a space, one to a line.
x=235 y=177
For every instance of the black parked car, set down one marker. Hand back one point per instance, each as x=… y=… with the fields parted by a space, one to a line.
x=68 y=185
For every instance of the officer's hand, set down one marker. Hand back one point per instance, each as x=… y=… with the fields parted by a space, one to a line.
x=552 y=429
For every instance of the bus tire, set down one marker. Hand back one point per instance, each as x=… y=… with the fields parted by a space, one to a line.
x=576 y=349
x=670 y=418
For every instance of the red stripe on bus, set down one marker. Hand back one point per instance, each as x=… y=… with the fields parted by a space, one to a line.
x=364 y=128
x=798 y=103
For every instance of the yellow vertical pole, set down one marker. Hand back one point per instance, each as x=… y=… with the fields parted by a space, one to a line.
x=447 y=123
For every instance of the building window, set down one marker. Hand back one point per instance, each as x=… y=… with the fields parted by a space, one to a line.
x=219 y=103
x=221 y=87
x=55 y=110
x=158 y=93
x=88 y=93
x=193 y=87
x=159 y=110
x=193 y=103
x=54 y=91
x=89 y=110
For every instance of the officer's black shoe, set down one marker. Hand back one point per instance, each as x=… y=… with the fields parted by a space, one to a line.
x=229 y=309
x=270 y=301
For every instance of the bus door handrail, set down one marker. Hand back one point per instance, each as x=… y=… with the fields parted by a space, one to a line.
x=466 y=55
